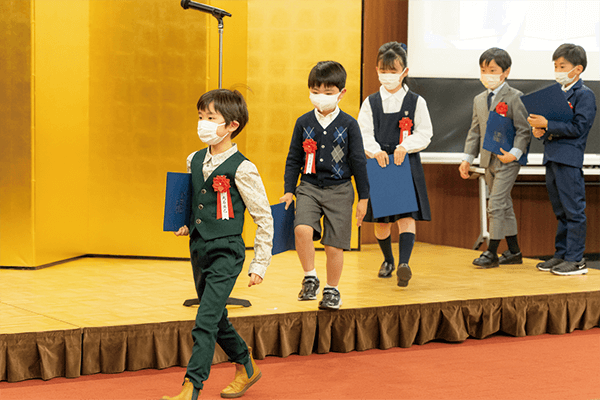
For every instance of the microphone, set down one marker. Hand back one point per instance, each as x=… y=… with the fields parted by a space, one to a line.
x=216 y=12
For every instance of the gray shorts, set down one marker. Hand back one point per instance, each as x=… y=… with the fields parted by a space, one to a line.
x=334 y=204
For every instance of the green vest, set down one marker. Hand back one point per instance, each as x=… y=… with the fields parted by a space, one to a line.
x=204 y=199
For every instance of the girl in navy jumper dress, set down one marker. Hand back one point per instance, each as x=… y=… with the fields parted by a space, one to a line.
x=396 y=121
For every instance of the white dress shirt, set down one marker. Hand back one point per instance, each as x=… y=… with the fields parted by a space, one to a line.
x=252 y=190
x=392 y=102
x=325 y=120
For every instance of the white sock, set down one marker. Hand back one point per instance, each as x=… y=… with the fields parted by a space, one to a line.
x=311 y=273
x=332 y=287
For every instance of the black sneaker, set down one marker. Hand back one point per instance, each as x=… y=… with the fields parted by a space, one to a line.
x=310 y=288
x=570 y=268
x=404 y=274
x=331 y=299
x=548 y=265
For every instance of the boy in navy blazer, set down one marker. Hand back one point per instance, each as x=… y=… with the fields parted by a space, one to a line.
x=564 y=145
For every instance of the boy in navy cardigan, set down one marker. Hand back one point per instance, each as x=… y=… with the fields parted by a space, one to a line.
x=326 y=150
x=564 y=145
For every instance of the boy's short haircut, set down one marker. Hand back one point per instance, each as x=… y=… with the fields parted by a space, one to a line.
x=388 y=53
x=230 y=104
x=572 y=53
x=327 y=73
x=499 y=56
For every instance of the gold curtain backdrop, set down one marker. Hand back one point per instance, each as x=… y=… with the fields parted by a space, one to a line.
x=101 y=105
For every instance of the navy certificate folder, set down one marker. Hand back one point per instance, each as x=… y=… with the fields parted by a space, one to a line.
x=178 y=201
x=499 y=134
x=391 y=188
x=283 y=228
x=550 y=102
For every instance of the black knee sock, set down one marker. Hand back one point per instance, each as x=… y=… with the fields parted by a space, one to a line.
x=406 y=242
x=493 y=246
x=386 y=249
x=513 y=244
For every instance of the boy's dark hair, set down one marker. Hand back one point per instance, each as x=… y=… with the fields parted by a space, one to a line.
x=230 y=104
x=327 y=73
x=572 y=53
x=388 y=54
x=499 y=56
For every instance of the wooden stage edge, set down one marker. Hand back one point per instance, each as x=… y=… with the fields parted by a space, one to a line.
x=109 y=315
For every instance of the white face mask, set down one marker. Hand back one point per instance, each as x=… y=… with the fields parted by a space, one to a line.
x=491 y=81
x=391 y=81
x=207 y=132
x=324 y=102
x=563 y=77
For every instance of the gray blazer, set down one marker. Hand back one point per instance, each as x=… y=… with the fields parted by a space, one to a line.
x=516 y=112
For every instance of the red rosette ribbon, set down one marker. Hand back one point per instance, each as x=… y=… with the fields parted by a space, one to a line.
x=405 y=128
x=221 y=185
x=570 y=105
x=502 y=108
x=310 y=148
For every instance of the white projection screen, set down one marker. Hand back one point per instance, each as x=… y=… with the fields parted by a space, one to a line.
x=446 y=37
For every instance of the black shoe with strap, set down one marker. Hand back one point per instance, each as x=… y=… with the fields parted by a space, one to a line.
x=404 y=274
x=487 y=260
x=386 y=270
x=510 y=258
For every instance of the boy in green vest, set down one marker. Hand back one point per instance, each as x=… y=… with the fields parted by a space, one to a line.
x=224 y=184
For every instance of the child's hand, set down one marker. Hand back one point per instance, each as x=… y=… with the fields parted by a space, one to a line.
x=538 y=132
x=382 y=158
x=183 y=231
x=287 y=199
x=537 y=121
x=361 y=210
x=254 y=280
x=399 y=155
x=506 y=157
x=463 y=168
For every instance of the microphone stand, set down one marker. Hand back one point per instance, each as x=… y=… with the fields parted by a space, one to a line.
x=218 y=14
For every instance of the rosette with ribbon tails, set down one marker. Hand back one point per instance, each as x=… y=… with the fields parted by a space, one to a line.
x=310 y=148
x=224 y=207
x=405 y=125
x=502 y=108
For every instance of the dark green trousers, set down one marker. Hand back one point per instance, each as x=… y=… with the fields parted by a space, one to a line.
x=216 y=265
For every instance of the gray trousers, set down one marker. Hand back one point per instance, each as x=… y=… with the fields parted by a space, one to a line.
x=500 y=179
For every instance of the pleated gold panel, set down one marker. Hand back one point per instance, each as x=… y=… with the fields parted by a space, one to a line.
x=285 y=40
x=148 y=67
x=16 y=140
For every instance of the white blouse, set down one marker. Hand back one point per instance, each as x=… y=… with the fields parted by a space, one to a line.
x=392 y=102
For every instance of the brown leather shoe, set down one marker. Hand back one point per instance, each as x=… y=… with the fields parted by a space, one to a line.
x=189 y=392
x=241 y=382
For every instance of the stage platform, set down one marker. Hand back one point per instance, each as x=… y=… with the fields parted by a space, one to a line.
x=108 y=315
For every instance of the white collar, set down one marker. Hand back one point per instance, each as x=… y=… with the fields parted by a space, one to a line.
x=398 y=95
x=219 y=158
x=329 y=117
